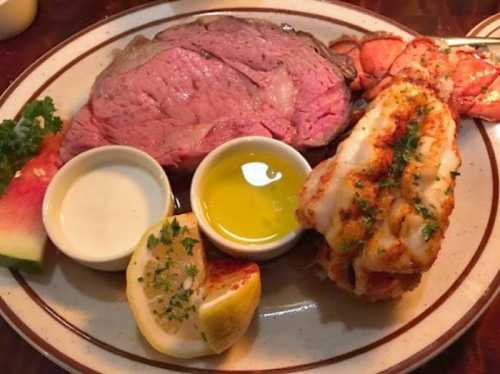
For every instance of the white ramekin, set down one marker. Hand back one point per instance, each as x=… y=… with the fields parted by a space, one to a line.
x=257 y=252
x=83 y=163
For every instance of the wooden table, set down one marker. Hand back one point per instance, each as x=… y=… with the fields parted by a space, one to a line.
x=478 y=351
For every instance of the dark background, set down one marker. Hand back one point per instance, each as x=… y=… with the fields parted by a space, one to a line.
x=478 y=351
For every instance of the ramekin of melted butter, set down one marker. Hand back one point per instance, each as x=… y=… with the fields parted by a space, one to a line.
x=245 y=194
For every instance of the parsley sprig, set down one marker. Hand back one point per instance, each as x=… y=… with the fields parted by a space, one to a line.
x=404 y=149
x=178 y=305
x=368 y=212
x=431 y=225
x=21 y=140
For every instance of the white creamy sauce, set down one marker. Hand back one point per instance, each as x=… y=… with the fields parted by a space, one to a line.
x=106 y=210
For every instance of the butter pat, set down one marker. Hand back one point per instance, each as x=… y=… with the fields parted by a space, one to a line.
x=16 y=16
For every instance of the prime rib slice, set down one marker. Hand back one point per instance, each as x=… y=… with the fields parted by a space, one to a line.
x=197 y=85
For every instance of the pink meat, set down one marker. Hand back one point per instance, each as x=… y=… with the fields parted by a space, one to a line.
x=198 y=85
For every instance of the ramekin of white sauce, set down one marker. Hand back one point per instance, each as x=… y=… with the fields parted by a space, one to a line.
x=100 y=203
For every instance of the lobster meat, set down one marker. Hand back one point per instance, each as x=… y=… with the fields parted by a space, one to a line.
x=465 y=78
x=383 y=201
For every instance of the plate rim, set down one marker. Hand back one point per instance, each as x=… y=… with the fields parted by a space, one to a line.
x=485 y=23
x=410 y=362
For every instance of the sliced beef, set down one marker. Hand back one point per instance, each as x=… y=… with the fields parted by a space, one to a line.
x=198 y=85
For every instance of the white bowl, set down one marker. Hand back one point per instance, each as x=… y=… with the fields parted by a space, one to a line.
x=100 y=203
x=259 y=252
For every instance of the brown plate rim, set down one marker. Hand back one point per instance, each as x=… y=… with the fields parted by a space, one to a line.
x=419 y=357
x=483 y=24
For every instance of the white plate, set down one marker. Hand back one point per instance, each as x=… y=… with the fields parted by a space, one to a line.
x=80 y=319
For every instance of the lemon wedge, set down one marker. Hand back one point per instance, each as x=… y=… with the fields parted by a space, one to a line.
x=233 y=293
x=184 y=306
x=163 y=297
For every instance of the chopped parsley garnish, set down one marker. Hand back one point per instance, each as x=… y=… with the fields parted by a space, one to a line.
x=369 y=222
x=346 y=246
x=166 y=234
x=368 y=212
x=22 y=140
x=191 y=270
x=429 y=229
x=162 y=275
x=388 y=183
x=179 y=308
x=422 y=210
x=404 y=149
x=169 y=231
x=431 y=225
x=166 y=285
x=153 y=241
x=188 y=244
x=176 y=228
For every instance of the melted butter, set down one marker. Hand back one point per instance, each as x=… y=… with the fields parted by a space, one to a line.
x=250 y=196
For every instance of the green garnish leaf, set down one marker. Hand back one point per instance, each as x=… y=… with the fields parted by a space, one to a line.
x=176 y=228
x=21 y=141
x=404 y=150
x=368 y=212
x=165 y=234
x=191 y=270
x=346 y=246
x=152 y=241
x=387 y=183
x=179 y=308
x=429 y=230
x=431 y=226
x=421 y=209
x=166 y=285
x=188 y=244
x=369 y=221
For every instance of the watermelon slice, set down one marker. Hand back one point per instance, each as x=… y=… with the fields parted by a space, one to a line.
x=22 y=234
